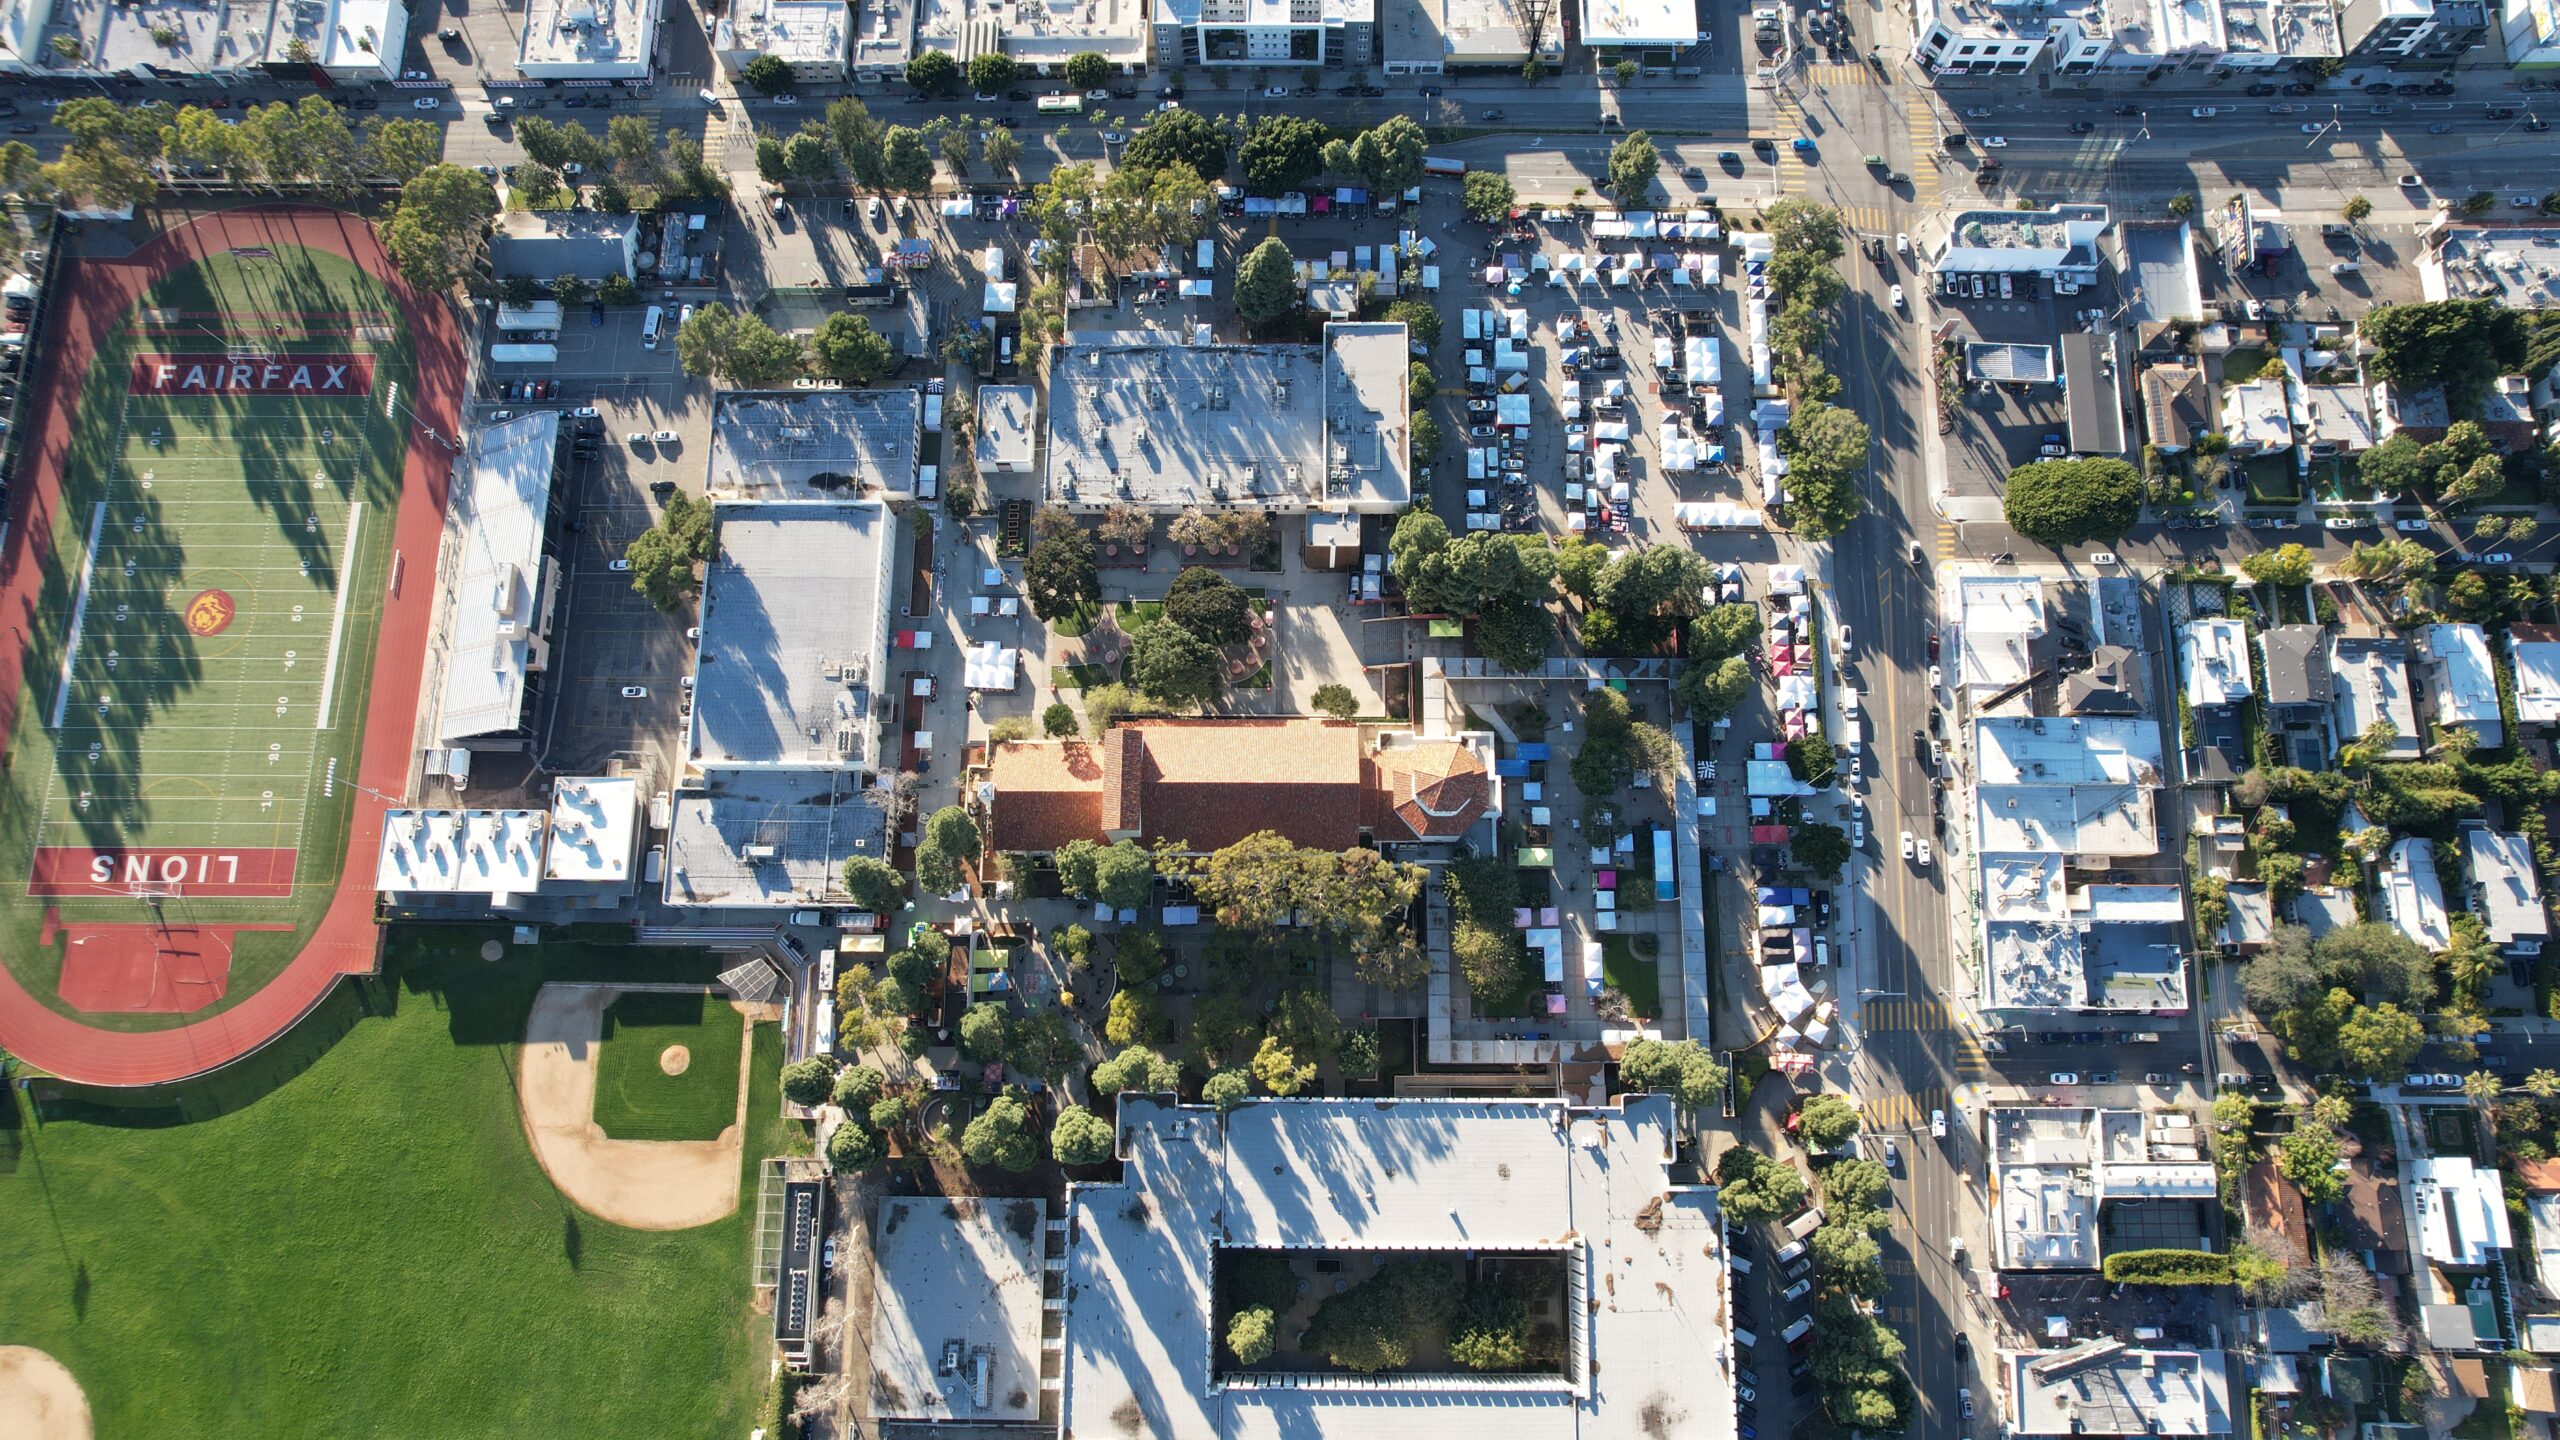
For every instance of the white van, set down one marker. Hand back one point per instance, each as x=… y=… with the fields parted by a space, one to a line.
x=1794 y=1249
x=656 y=867
x=1806 y=1223
x=649 y=326
x=1797 y=1331
x=1737 y=1264
x=1744 y=1341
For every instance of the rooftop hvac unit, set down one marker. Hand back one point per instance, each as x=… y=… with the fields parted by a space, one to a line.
x=759 y=852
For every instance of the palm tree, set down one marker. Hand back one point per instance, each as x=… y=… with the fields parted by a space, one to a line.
x=2542 y=1084
x=2481 y=1087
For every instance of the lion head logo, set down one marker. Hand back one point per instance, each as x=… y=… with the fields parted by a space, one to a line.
x=210 y=613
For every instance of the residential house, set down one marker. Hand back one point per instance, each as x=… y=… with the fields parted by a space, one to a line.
x=2369 y=680
x=2533 y=651
x=2454 y=662
x=2419 y=412
x=2506 y=889
x=2506 y=414
x=2336 y=420
x=2252 y=919
x=2256 y=418
x=2299 y=691
x=2214 y=661
x=2412 y=897
x=2113 y=684
x=2175 y=409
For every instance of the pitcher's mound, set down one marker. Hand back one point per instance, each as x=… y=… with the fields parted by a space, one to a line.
x=675 y=1059
x=38 y=1398
x=645 y=1184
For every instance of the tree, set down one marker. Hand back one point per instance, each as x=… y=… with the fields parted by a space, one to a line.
x=703 y=341
x=1487 y=196
x=1087 y=70
x=1822 y=849
x=2282 y=975
x=1682 y=1070
x=1826 y=450
x=810 y=154
x=1847 y=1255
x=1124 y=875
x=1389 y=154
x=1722 y=630
x=2380 y=1040
x=992 y=72
x=847 y=348
x=1419 y=319
x=434 y=233
x=1174 y=667
x=1136 y=1068
x=1373 y=1326
x=982 y=1034
x=1060 y=575
x=1277 y=1067
x=2357 y=208
x=1226 y=1089
x=400 y=150
x=1710 y=692
x=1491 y=962
x=933 y=72
x=618 y=290
x=1827 y=1121
x=1855 y=1188
x=661 y=568
x=905 y=163
x=810 y=1081
x=1001 y=1136
x=770 y=74
x=1266 y=283
x=1753 y=1187
x=855 y=1146
x=1281 y=153
x=955 y=152
x=2287 y=566
x=1633 y=164
x=2456 y=343
x=856 y=1086
x=1603 y=765
x=2309 y=1158
x=1209 y=605
x=874 y=884
x=2379 y=958
x=1249 y=1335
x=1080 y=1137
x=1179 y=137
x=2069 y=502
x=950 y=841
x=1001 y=151
x=1491 y=1331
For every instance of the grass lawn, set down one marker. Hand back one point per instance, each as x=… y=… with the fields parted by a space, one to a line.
x=636 y=1099
x=1080 y=676
x=1079 y=622
x=1631 y=975
x=228 y=683
x=1136 y=615
x=2488 y=1420
x=347 y=1235
x=2271 y=479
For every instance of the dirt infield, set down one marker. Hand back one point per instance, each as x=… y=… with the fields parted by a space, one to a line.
x=39 y=1400
x=96 y=296
x=644 y=1184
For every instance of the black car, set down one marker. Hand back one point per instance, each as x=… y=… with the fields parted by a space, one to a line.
x=24 y=129
x=1170 y=92
x=1017 y=96
x=1372 y=92
x=2501 y=112
x=2298 y=88
x=2262 y=89
x=2536 y=124
x=1429 y=92
x=2083 y=127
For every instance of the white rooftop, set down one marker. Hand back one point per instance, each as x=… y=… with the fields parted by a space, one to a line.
x=2054 y=1167
x=795 y=633
x=1998 y=617
x=2074 y=786
x=2464 y=683
x=2505 y=890
x=589 y=39
x=2256 y=417
x=803 y=32
x=955 y=1330
x=761 y=838
x=2462 y=1210
x=2535 y=652
x=1008 y=428
x=1648 y=1357
x=595 y=826
x=2412 y=896
x=2101 y=1388
x=499 y=507
x=2544 y=1213
x=1639 y=22
x=2517 y=266
x=2213 y=661
x=365 y=35
x=2369 y=678
x=814 y=445
x=496 y=853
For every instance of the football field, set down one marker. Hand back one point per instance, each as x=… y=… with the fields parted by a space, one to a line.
x=194 y=690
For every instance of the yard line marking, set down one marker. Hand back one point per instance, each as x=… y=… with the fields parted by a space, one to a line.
x=79 y=609
x=338 y=617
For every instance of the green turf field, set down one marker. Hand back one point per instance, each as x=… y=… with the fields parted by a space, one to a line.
x=347 y=1235
x=213 y=603
x=636 y=1099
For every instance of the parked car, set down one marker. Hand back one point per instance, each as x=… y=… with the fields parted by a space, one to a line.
x=635 y=692
x=664 y=437
x=2414 y=527
x=2064 y=1077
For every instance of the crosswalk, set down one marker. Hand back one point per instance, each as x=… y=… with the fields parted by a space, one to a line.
x=1836 y=77
x=1946 y=540
x=1907 y=1014
x=1923 y=134
x=1910 y=1111
x=1869 y=219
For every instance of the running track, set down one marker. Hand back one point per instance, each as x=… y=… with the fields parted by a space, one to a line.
x=98 y=297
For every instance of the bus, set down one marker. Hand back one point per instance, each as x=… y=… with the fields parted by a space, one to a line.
x=1061 y=104
x=1441 y=165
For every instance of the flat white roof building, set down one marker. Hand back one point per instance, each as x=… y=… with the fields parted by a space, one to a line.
x=2213 y=662
x=496 y=854
x=1647 y=1329
x=2369 y=679
x=815 y=445
x=2256 y=417
x=2462 y=1211
x=503 y=588
x=1983 y=37
x=1008 y=438
x=2078 y=786
x=1639 y=24
x=2534 y=651
x=1998 y=620
x=2516 y=265
x=795 y=635
x=814 y=37
x=2053 y=1168
x=2455 y=659
x=2101 y=1388
x=1440 y=35
x=2061 y=241
x=2050 y=793
x=2506 y=892
x=588 y=39
x=359 y=39
x=595 y=831
x=1282 y=428
x=2412 y=896
x=1041 y=34
x=768 y=838
x=955 y=1330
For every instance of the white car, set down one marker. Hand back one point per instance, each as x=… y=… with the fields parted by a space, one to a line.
x=874 y=211
x=1910 y=845
x=2410 y=182
x=617 y=565
x=2310 y=127
x=665 y=437
x=572 y=168
x=1164 y=105
x=637 y=437
x=2065 y=1077
x=635 y=692
x=2414 y=527
x=2102 y=557
x=1275 y=92
x=1901 y=244
x=2204 y=112
x=415 y=75
x=427 y=102
x=1924 y=851
x=786 y=99
x=1897 y=297
x=1937 y=678
x=1995 y=142
x=587 y=412
x=1937 y=1124
x=1097 y=95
